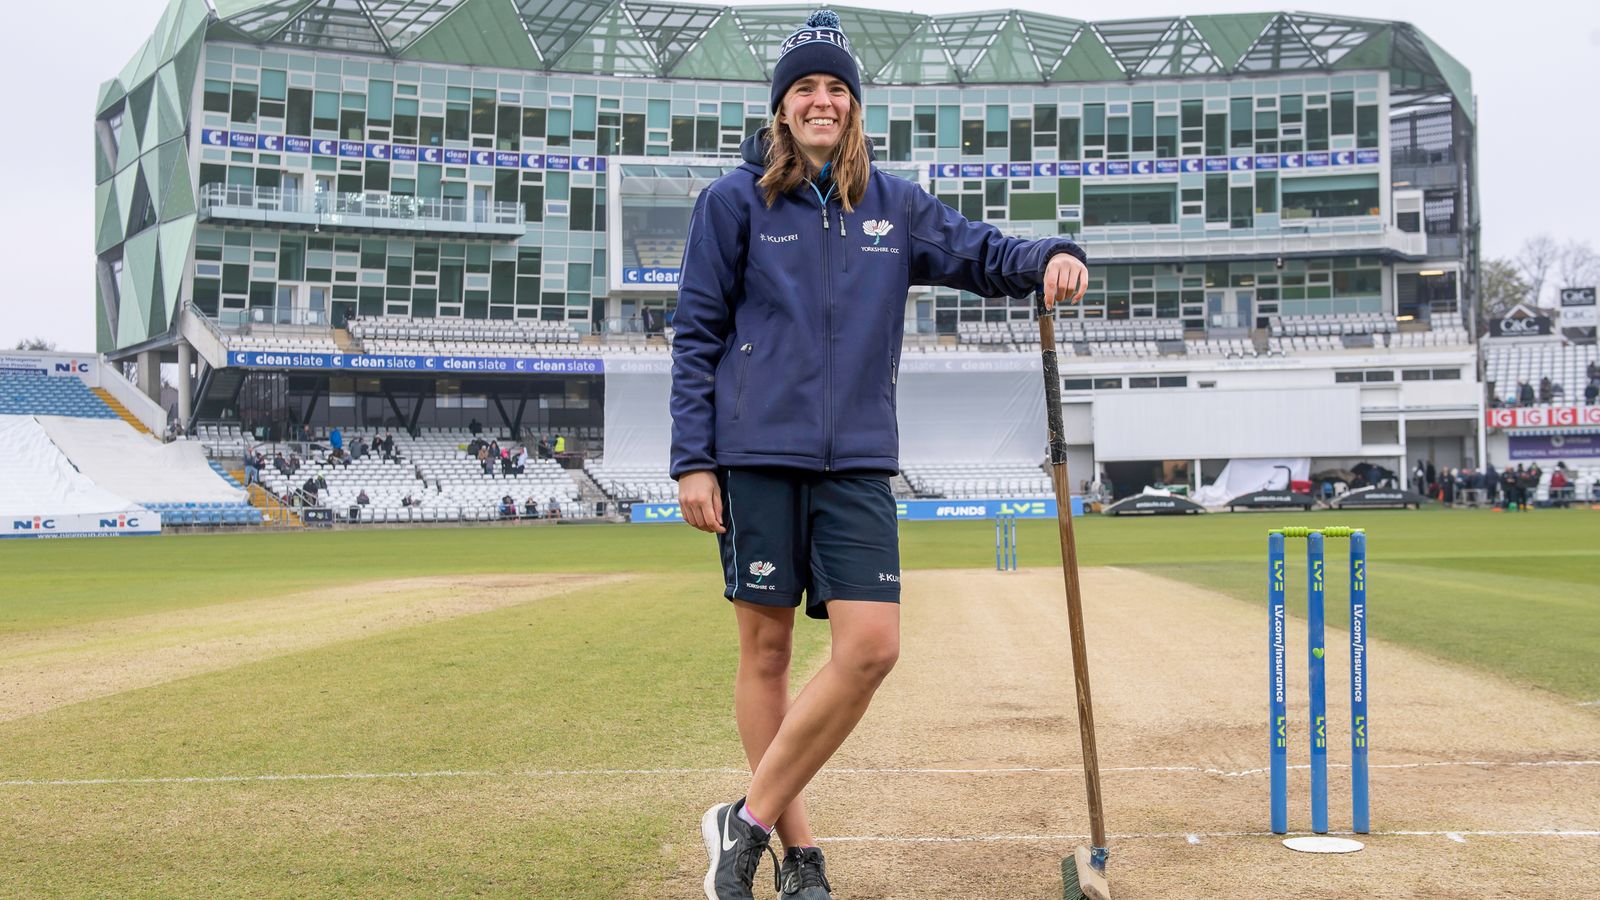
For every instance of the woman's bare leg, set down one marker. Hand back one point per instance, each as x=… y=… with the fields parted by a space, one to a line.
x=866 y=644
x=761 y=699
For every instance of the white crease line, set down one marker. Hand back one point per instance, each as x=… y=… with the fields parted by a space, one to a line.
x=365 y=776
x=613 y=773
x=1190 y=837
x=1590 y=703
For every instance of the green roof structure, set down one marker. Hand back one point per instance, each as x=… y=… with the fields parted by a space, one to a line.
x=647 y=39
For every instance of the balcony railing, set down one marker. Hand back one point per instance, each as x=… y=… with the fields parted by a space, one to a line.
x=1291 y=237
x=361 y=211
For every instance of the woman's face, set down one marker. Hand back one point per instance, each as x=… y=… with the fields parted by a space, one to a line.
x=816 y=109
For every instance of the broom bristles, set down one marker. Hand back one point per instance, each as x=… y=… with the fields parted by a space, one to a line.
x=1080 y=880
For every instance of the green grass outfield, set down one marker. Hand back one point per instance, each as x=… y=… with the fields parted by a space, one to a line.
x=623 y=676
x=1517 y=594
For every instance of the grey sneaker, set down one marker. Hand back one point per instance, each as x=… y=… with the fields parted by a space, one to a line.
x=804 y=875
x=735 y=848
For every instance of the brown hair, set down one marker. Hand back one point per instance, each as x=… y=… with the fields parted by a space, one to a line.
x=788 y=168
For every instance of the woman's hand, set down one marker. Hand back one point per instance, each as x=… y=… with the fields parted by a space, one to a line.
x=700 y=500
x=1065 y=278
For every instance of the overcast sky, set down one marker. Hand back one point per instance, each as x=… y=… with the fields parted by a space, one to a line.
x=1536 y=74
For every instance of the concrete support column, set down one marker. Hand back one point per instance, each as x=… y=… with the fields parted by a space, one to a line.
x=1405 y=457
x=185 y=383
x=1481 y=431
x=150 y=375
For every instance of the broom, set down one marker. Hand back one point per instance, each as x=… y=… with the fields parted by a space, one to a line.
x=1083 y=875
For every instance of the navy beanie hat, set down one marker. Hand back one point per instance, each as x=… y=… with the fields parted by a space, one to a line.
x=818 y=46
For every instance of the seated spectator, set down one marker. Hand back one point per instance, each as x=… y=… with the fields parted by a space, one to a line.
x=310 y=488
x=358 y=448
x=474 y=445
x=1546 y=393
x=281 y=464
x=508 y=507
x=475 y=426
x=505 y=464
x=294 y=463
x=560 y=445
x=1524 y=394
x=530 y=508
x=553 y=511
x=388 y=448
x=1592 y=370
x=362 y=498
x=1559 y=485
x=410 y=501
x=544 y=449
x=336 y=439
x=1591 y=392
x=519 y=462
x=487 y=463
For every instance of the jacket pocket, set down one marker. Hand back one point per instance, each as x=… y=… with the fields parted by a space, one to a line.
x=738 y=391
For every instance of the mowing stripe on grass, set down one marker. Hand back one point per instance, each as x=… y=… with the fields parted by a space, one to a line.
x=675 y=773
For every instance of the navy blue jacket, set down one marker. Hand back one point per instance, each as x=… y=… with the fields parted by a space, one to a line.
x=790 y=319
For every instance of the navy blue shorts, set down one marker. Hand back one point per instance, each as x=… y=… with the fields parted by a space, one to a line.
x=791 y=533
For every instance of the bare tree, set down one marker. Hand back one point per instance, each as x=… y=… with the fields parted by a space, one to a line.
x=1538 y=256
x=36 y=343
x=1579 y=265
x=1502 y=289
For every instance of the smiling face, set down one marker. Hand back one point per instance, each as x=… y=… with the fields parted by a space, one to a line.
x=817 y=111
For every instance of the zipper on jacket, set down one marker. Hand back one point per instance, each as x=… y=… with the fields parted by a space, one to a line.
x=845 y=250
x=894 y=371
x=738 y=391
x=827 y=327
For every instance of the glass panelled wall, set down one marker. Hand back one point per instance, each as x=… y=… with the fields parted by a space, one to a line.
x=1231 y=294
x=556 y=272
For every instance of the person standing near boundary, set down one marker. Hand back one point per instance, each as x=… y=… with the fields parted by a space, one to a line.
x=788 y=334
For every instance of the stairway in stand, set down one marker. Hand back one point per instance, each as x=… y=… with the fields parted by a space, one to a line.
x=260 y=498
x=346 y=342
x=121 y=411
x=590 y=494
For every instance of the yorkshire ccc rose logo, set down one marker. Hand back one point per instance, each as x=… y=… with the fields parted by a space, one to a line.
x=877 y=228
x=761 y=570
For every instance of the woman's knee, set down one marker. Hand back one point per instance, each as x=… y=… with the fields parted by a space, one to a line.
x=767 y=655
x=870 y=657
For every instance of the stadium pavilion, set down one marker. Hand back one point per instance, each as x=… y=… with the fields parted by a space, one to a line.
x=381 y=213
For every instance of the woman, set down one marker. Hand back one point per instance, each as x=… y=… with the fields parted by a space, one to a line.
x=789 y=323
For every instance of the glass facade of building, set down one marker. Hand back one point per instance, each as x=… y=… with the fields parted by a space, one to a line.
x=1219 y=169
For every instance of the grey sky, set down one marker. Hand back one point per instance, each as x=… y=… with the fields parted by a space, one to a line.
x=1535 y=72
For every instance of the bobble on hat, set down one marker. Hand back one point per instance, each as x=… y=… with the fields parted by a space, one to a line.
x=817 y=46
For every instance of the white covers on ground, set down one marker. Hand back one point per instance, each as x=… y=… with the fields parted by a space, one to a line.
x=109 y=451
x=38 y=480
x=1242 y=476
